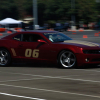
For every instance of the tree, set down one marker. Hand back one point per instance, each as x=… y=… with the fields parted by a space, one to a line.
x=54 y=10
x=20 y=7
x=7 y=9
x=85 y=10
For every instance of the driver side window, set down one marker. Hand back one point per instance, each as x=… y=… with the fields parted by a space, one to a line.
x=31 y=37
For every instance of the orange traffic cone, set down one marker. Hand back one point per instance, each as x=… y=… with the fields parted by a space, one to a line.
x=1 y=34
x=81 y=30
x=73 y=33
x=73 y=30
x=18 y=30
x=96 y=34
x=85 y=36
x=69 y=29
x=9 y=32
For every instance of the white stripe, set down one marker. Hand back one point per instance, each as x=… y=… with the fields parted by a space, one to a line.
x=93 y=96
x=71 y=69
x=82 y=42
x=73 y=79
x=22 y=80
x=87 y=70
x=20 y=96
x=59 y=77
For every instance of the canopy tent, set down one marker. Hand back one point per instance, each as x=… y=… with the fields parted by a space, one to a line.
x=9 y=21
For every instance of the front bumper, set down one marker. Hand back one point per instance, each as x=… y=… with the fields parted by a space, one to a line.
x=87 y=59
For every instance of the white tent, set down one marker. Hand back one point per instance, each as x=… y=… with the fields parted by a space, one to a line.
x=9 y=21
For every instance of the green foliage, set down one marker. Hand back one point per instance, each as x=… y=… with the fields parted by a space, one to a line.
x=86 y=10
x=51 y=10
x=7 y=9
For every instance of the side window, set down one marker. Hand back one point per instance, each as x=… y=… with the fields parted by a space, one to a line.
x=31 y=37
x=17 y=37
x=35 y=38
x=26 y=37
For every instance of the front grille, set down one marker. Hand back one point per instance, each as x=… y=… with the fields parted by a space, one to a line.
x=91 y=51
x=94 y=60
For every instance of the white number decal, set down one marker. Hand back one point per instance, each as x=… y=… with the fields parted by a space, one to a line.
x=34 y=54
x=28 y=53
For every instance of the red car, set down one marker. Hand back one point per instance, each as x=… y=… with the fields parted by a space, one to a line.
x=52 y=46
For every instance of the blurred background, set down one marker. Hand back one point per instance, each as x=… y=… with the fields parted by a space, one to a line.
x=53 y=13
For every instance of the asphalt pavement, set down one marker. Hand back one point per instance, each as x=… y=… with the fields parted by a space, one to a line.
x=92 y=35
x=47 y=82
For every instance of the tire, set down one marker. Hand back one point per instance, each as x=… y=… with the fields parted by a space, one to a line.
x=66 y=59
x=5 y=58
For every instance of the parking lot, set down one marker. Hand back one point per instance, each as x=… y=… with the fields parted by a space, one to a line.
x=24 y=83
x=44 y=82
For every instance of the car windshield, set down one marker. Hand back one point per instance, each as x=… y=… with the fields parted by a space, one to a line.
x=57 y=37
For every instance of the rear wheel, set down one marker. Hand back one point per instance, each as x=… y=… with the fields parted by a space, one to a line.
x=66 y=59
x=5 y=58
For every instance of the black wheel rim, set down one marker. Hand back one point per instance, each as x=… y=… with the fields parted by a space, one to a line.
x=3 y=57
x=67 y=59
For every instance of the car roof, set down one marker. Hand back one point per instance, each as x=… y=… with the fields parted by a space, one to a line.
x=33 y=31
x=41 y=31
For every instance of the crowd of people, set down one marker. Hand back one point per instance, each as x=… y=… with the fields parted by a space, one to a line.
x=57 y=26
x=66 y=25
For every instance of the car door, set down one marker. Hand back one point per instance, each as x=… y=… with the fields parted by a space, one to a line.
x=30 y=49
x=47 y=51
x=27 y=47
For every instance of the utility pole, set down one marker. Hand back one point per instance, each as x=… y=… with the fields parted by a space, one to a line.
x=35 y=20
x=73 y=15
x=98 y=1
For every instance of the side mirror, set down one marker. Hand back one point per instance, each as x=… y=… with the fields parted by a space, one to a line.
x=41 y=41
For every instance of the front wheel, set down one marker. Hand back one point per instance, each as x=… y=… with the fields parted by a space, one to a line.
x=5 y=58
x=66 y=59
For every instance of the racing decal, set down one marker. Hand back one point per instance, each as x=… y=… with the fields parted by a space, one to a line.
x=82 y=42
x=28 y=52
x=13 y=51
x=32 y=53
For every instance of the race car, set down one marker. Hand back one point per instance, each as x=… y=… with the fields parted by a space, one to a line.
x=47 y=46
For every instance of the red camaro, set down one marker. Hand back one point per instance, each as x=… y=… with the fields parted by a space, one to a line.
x=52 y=46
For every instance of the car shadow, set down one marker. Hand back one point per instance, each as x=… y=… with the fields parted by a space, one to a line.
x=88 y=67
x=50 y=65
x=34 y=65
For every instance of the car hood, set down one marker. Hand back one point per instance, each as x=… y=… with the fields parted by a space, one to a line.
x=81 y=43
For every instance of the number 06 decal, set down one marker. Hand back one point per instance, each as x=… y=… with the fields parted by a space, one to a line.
x=34 y=53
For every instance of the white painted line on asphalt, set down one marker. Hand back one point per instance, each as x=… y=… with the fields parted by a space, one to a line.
x=22 y=80
x=92 y=74
x=78 y=75
x=87 y=70
x=69 y=76
x=19 y=96
x=73 y=79
x=35 y=75
x=54 y=91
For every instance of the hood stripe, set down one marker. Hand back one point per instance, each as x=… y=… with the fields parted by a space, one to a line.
x=83 y=43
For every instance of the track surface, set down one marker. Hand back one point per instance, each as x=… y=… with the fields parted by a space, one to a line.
x=44 y=82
